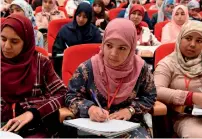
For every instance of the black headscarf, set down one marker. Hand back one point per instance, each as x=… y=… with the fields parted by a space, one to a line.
x=73 y=34
x=87 y=9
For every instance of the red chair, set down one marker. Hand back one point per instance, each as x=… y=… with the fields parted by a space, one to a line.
x=162 y=51
x=151 y=12
x=113 y=13
x=200 y=13
x=41 y=50
x=39 y=9
x=158 y=29
x=148 y=5
x=123 y=5
x=53 y=29
x=2 y=19
x=75 y=55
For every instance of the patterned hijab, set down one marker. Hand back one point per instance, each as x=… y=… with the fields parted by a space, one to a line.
x=192 y=68
x=27 y=10
x=128 y=71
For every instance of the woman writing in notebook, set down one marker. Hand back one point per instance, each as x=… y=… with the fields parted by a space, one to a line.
x=119 y=79
x=178 y=79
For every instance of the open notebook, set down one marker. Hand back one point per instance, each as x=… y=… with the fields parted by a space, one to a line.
x=111 y=128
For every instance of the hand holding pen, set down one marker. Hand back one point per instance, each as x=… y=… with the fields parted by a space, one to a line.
x=97 y=113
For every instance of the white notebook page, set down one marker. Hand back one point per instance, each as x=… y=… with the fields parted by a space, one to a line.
x=108 y=126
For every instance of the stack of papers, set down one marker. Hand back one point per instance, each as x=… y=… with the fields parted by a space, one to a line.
x=110 y=128
x=196 y=111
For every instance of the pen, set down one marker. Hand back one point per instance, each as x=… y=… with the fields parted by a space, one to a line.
x=95 y=98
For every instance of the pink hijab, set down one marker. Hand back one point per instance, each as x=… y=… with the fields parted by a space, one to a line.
x=129 y=71
x=172 y=29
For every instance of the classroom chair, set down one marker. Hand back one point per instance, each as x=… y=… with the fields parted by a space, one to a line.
x=83 y=53
x=158 y=29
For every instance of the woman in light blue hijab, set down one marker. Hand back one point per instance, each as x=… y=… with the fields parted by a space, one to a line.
x=20 y=7
x=166 y=10
x=164 y=13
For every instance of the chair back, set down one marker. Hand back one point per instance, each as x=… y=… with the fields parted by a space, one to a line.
x=200 y=13
x=113 y=13
x=53 y=29
x=2 y=19
x=41 y=50
x=162 y=51
x=148 y=5
x=123 y=5
x=151 y=12
x=158 y=29
x=74 y=56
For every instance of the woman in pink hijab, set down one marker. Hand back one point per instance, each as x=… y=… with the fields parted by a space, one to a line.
x=119 y=79
x=171 y=30
x=49 y=12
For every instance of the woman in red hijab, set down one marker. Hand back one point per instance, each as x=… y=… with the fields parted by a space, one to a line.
x=144 y=35
x=30 y=89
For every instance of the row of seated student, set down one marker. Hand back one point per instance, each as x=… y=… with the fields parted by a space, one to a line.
x=126 y=88
x=50 y=12
x=81 y=31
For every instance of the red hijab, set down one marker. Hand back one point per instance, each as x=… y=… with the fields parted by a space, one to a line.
x=18 y=74
x=138 y=7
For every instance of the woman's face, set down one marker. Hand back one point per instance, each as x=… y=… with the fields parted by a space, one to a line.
x=135 y=2
x=180 y=17
x=136 y=17
x=169 y=8
x=15 y=9
x=48 y=4
x=191 y=45
x=81 y=19
x=11 y=43
x=115 y=52
x=194 y=12
x=97 y=8
x=185 y=2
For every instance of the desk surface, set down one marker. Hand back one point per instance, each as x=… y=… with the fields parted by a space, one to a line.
x=146 y=51
x=9 y=135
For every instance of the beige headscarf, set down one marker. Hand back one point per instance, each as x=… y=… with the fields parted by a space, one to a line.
x=191 y=68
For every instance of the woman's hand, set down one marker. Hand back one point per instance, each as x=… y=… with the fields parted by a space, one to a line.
x=123 y=114
x=96 y=114
x=17 y=123
x=98 y=22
